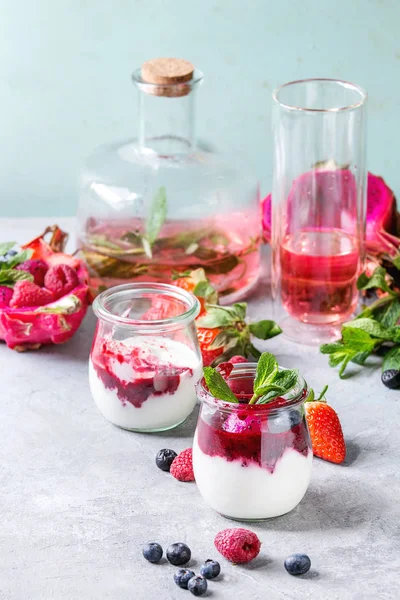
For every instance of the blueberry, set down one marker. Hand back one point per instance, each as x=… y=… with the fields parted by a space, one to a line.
x=210 y=569
x=11 y=253
x=164 y=459
x=178 y=554
x=152 y=552
x=182 y=577
x=197 y=585
x=391 y=378
x=295 y=417
x=297 y=564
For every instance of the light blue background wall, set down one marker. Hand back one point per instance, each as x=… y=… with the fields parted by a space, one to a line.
x=65 y=78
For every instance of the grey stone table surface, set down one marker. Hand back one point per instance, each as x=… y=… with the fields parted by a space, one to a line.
x=79 y=496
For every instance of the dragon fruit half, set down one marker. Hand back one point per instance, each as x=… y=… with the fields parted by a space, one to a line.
x=383 y=227
x=44 y=293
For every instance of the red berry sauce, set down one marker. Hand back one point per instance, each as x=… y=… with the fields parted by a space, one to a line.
x=153 y=379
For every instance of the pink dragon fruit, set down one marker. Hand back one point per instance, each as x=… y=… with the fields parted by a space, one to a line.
x=382 y=217
x=29 y=327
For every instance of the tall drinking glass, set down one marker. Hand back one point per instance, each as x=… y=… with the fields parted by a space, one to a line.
x=318 y=205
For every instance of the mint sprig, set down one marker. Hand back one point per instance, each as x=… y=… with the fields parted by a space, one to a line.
x=269 y=382
x=375 y=328
x=9 y=275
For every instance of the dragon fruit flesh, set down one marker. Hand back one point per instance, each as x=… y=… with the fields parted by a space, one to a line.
x=29 y=327
x=382 y=227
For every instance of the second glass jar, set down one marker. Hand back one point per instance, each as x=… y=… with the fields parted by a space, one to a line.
x=145 y=359
x=252 y=462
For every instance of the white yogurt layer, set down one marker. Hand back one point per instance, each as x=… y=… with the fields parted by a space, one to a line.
x=158 y=411
x=251 y=492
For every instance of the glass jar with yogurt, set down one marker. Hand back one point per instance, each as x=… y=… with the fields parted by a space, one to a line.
x=145 y=358
x=252 y=462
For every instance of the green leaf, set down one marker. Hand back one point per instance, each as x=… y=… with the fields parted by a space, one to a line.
x=10 y=276
x=396 y=261
x=216 y=316
x=392 y=359
x=271 y=392
x=389 y=314
x=265 y=330
x=322 y=393
x=157 y=215
x=377 y=280
x=286 y=379
x=20 y=258
x=357 y=339
x=253 y=351
x=218 y=386
x=267 y=368
x=5 y=247
x=240 y=310
x=375 y=329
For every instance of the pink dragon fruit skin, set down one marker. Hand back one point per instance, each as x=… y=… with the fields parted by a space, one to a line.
x=381 y=229
x=55 y=323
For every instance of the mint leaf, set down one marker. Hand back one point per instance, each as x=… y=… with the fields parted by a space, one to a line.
x=389 y=314
x=375 y=329
x=396 y=261
x=377 y=280
x=218 y=386
x=265 y=330
x=356 y=345
x=267 y=368
x=392 y=359
x=5 y=247
x=287 y=379
x=271 y=392
x=20 y=258
x=157 y=215
x=9 y=276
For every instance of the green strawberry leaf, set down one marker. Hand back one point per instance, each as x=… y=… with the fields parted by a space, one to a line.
x=251 y=350
x=5 y=247
x=240 y=310
x=218 y=386
x=216 y=316
x=157 y=215
x=267 y=368
x=265 y=330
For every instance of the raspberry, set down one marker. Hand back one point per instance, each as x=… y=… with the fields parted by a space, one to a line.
x=37 y=268
x=61 y=279
x=5 y=296
x=237 y=359
x=182 y=466
x=237 y=545
x=225 y=369
x=27 y=293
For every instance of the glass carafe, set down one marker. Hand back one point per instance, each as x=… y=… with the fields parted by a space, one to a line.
x=157 y=205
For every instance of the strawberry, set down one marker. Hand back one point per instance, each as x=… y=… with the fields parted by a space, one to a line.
x=223 y=333
x=27 y=293
x=237 y=545
x=182 y=466
x=61 y=279
x=37 y=268
x=325 y=431
x=206 y=337
x=196 y=282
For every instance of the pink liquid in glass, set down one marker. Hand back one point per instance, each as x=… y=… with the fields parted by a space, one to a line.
x=319 y=270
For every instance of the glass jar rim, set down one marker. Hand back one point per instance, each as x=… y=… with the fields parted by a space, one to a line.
x=294 y=398
x=151 y=88
x=136 y=291
x=339 y=82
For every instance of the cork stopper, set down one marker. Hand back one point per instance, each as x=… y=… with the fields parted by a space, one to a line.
x=167 y=76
